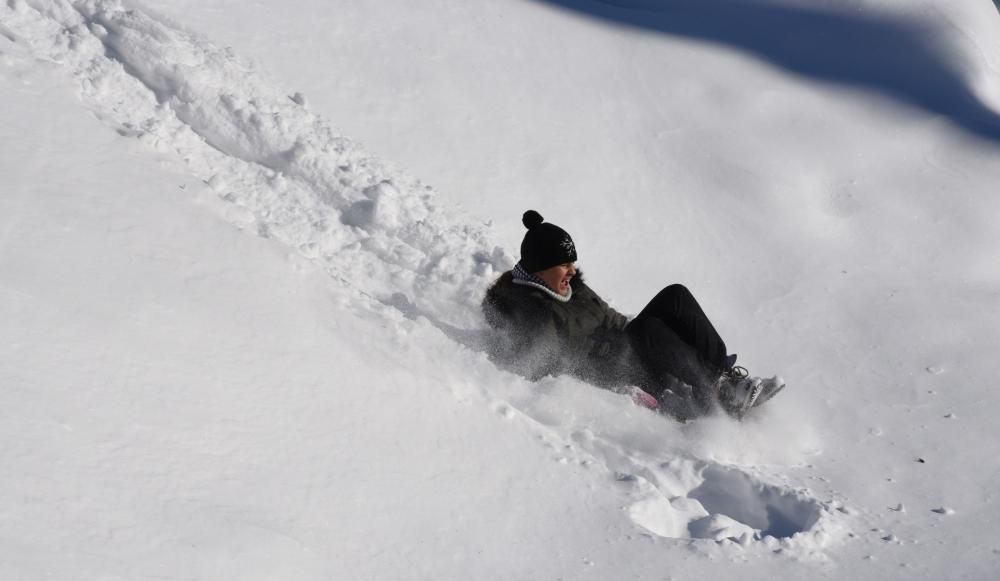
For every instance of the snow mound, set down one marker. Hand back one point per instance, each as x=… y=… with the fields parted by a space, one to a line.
x=287 y=173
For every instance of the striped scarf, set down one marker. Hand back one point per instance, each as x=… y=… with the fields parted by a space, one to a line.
x=523 y=277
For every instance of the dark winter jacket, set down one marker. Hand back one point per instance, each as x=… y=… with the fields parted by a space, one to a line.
x=537 y=335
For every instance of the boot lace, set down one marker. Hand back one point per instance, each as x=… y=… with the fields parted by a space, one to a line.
x=737 y=372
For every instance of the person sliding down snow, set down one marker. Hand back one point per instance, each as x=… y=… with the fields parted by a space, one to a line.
x=547 y=321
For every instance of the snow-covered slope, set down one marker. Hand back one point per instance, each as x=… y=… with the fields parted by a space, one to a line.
x=187 y=400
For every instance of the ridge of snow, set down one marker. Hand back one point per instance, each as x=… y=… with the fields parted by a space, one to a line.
x=294 y=177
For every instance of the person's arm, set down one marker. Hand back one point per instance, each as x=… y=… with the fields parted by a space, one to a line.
x=615 y=320
x=612 y=318
x=527 y=339
x=538 y=349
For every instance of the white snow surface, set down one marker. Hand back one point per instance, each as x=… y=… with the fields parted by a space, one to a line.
x=238 y=345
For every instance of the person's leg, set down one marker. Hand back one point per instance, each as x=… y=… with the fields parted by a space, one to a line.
x=680 y=312
x=672 y=370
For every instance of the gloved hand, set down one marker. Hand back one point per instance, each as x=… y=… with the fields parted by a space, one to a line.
x=641 y=398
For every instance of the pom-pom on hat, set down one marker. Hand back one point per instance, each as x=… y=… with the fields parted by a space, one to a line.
x=545 y=245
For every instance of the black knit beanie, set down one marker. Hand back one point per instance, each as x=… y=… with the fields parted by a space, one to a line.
x=545 y=245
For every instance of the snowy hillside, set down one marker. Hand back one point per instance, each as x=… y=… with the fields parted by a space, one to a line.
x=239 y=345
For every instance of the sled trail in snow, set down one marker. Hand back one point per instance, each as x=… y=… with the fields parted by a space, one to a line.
x=287 y=173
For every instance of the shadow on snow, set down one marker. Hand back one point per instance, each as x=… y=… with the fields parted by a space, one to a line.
x=903 y=58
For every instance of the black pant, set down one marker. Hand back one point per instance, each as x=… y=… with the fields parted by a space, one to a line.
x=675 y=341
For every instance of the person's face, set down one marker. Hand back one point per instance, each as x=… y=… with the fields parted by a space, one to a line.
x=557 y=277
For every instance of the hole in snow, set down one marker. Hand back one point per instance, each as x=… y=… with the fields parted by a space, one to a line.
x=719 y=503
x=774 y=511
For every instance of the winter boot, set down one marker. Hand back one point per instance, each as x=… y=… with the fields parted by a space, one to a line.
x=738 y=393
x=769 y=388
